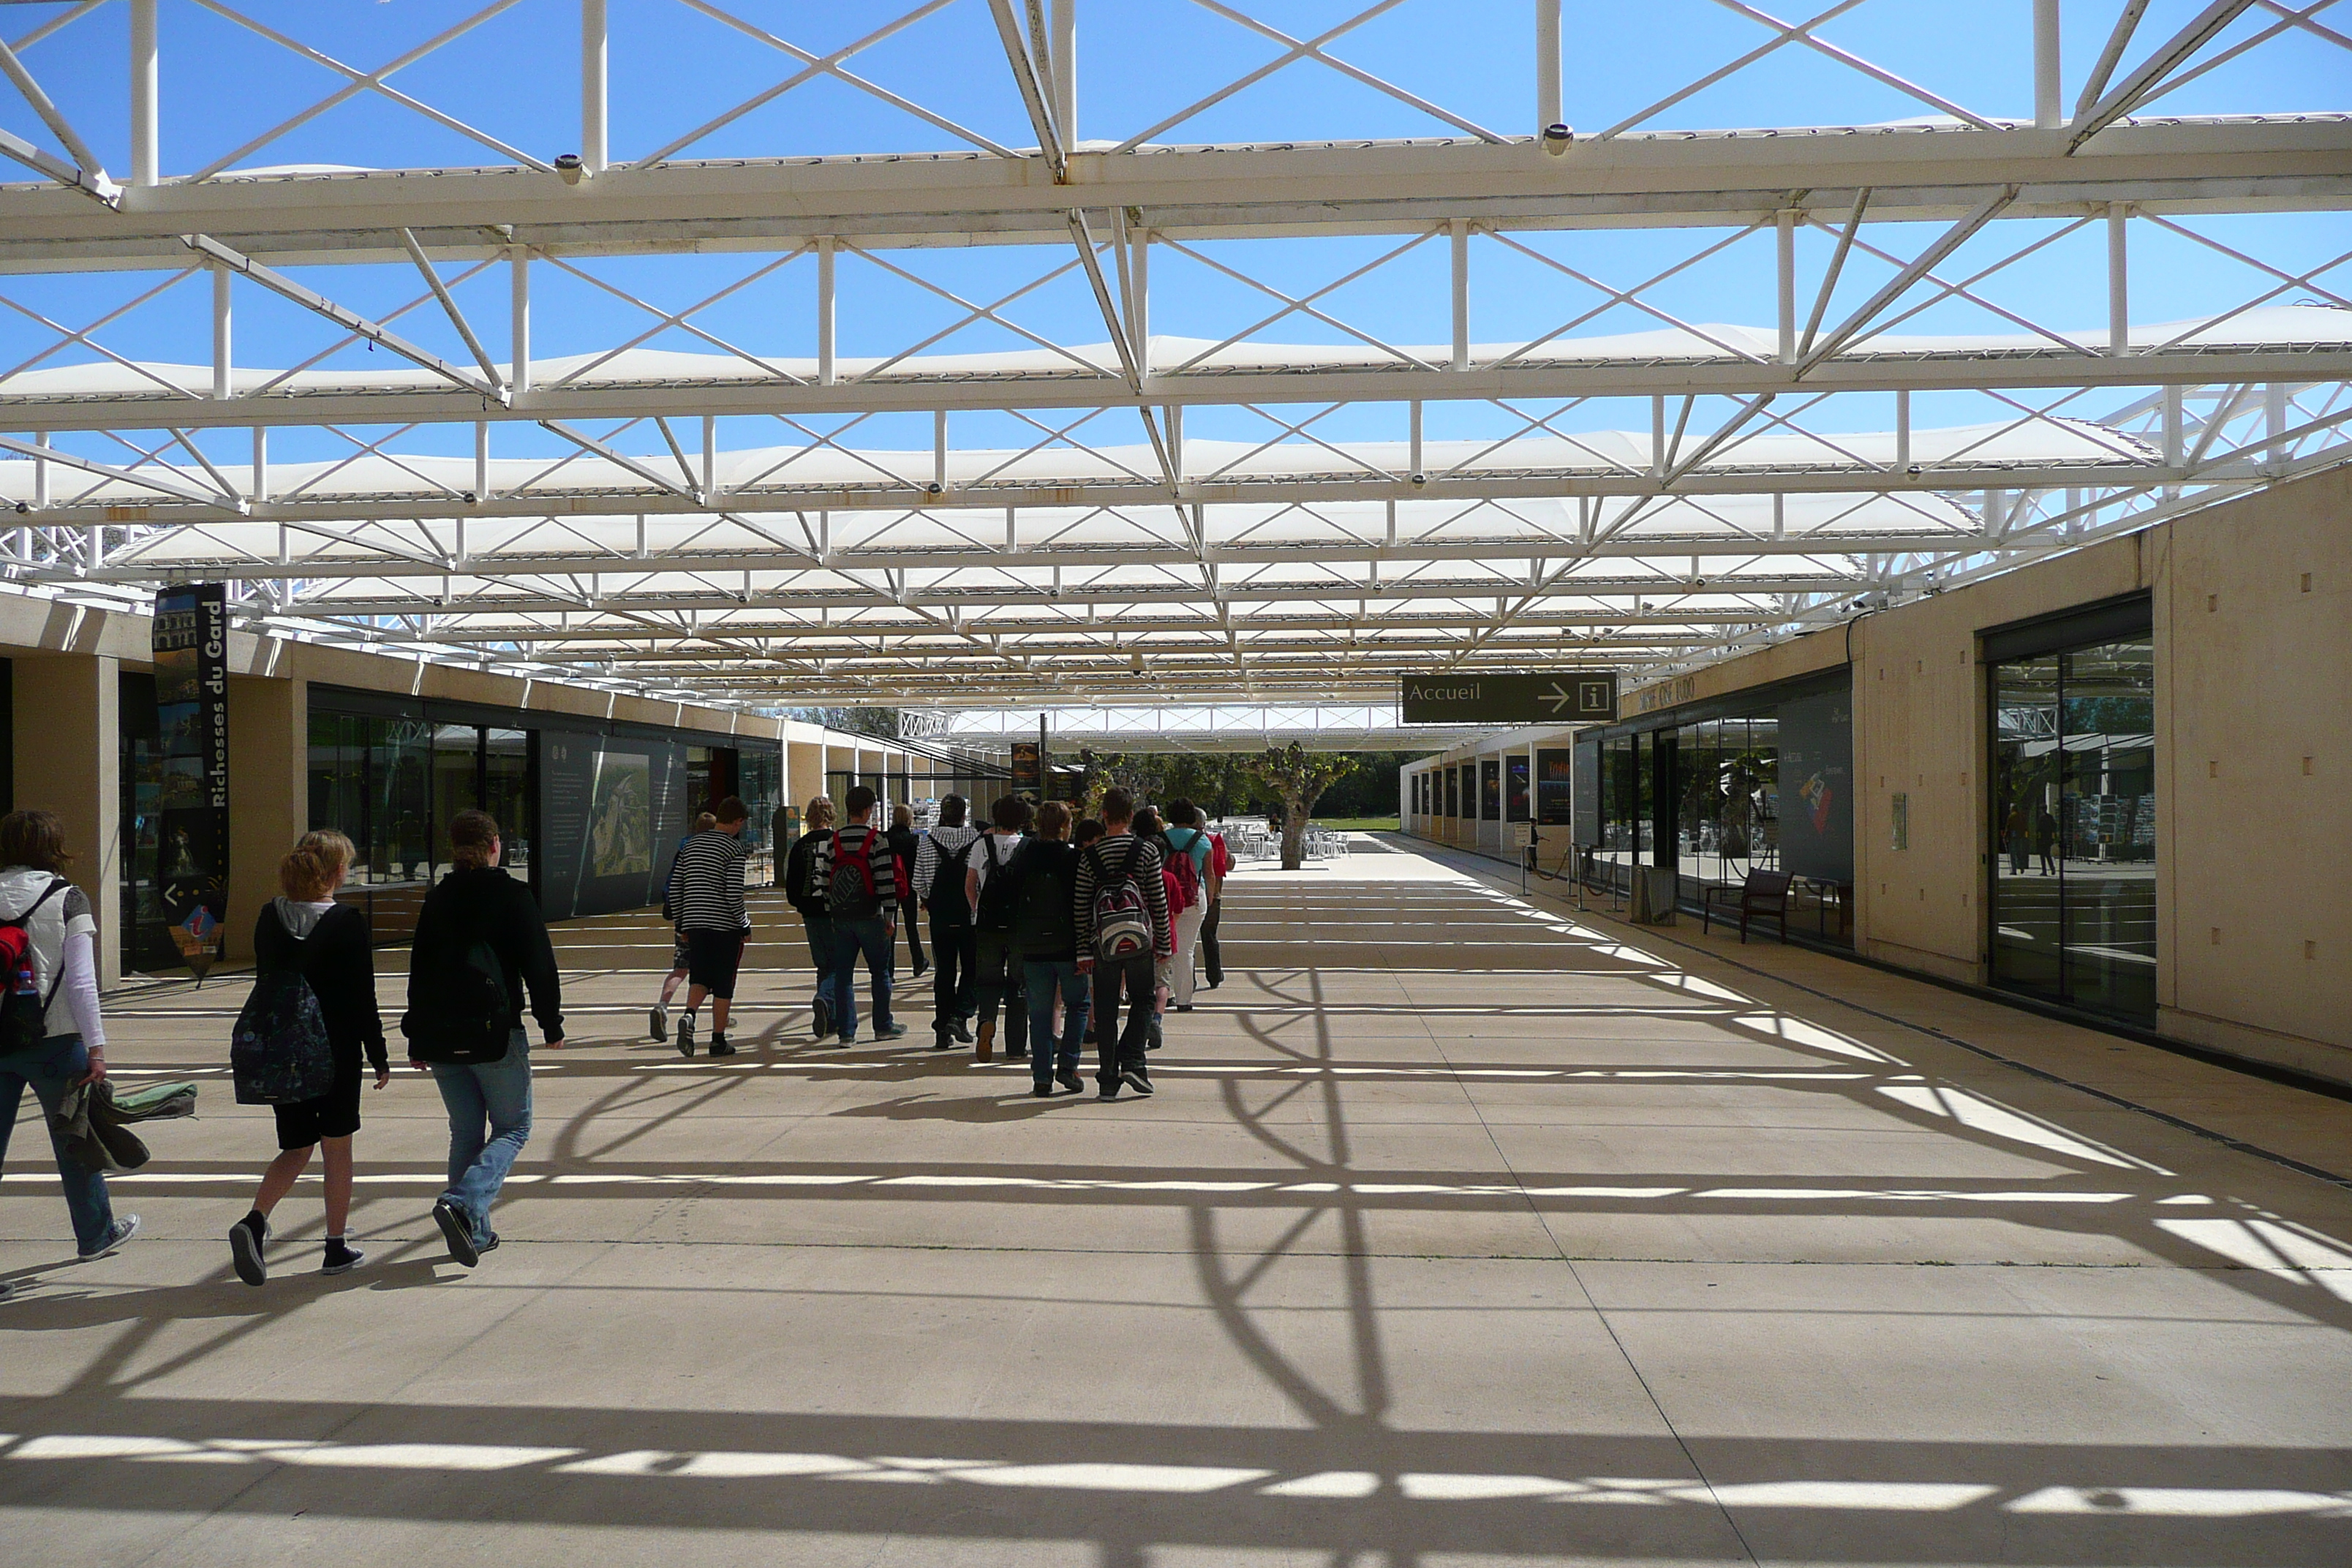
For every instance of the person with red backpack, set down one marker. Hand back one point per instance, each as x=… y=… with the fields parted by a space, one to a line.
x=1121 y=905
x=1191 y=855
x=51 y=1036
x=864 y=883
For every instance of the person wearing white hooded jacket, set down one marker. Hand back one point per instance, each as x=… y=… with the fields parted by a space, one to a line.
x=62 y=957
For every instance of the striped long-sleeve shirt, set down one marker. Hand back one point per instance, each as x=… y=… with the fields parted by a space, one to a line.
x=890 y=870
x=1108 y=858
x=707 y=883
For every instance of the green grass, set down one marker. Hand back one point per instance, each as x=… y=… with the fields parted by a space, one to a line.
x=1358 y=824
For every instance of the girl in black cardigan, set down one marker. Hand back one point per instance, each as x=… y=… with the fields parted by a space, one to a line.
x=328 y=943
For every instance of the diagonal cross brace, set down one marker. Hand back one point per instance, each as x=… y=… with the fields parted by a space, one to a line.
x=173 y=486
x=2152 y=72
x=1952 y=240
x=310 y=299
x=89 y=176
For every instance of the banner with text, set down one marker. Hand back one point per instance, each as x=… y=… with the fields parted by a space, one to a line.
x=191 y=651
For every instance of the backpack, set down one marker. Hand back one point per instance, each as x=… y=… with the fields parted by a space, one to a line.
x=1122 y=918
x=802 y=868
x=470 y=1015
x=1000 y=893
x=850 y=893
x=1188 y=875
x=278 y=1053
x=946 y=900
x=24 y=1010
x=1043 y=919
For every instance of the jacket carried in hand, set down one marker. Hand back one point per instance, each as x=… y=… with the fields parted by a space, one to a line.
x=484 y=902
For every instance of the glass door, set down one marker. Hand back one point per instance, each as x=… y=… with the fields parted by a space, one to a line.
x=2073 y=828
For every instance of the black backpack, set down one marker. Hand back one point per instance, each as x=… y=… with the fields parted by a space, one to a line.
x=278 y=1053
x=1045 y=921
x=946 y=899
x=468 y=1014
x=850 y=893
x=1000 y=891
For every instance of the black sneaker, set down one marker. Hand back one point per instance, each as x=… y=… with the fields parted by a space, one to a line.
x=1068 y=1079
x=1135 y=1079
x=342 y=1259
x=1042 y=1089
x=457 y=1231
x=1108 y=1092
x=893 y=1030
x=963 y=1030
x=245 y=1252
x=685 y=1035
x=942 y=1041
x=719 y=1047
x=658 y=1021
x=1184 y=1006
x=821 y=1017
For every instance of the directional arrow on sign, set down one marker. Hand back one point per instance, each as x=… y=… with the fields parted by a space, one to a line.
x=1557 y=699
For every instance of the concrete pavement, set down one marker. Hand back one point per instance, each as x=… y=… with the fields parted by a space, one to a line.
x=1463 y=1229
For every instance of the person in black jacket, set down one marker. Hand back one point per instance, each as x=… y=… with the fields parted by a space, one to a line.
x=477 y=905
x=905 y=845
x=328 y=943
x=816 y=921
x=1044 y=930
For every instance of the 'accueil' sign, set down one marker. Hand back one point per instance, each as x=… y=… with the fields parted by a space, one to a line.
x=1573 y=697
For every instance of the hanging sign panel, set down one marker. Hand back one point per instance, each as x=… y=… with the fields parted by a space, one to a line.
x=190 y=642
x=1571 y=697
x=1028 y=768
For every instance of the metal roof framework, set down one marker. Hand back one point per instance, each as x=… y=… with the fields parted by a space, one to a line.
x=1290 y=509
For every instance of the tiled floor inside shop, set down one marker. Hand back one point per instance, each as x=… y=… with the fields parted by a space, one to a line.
x=1463 y=1228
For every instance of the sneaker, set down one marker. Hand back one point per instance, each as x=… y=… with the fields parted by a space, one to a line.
x=942 y=1041
x=1108 y=1092
x=922 y=968
x=685 y=1035
x=821 y=1017
x=457 y=1231
x=1016 y=1053
x=1184 y=1006
x=343 y=1259
x=1068 y=1079
x=719 y=1047
x=245 y=1252
x=1135 y=1079
x=1215 y=981
x=490 y=1245
x=124 y=1229
x=893 y=1030
x=963 y=1030
x=658 y=1021
x=1042 y=1089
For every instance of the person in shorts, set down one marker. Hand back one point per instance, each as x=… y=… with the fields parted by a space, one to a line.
x=657 y=1016
x=305 y=929
x=708 y=883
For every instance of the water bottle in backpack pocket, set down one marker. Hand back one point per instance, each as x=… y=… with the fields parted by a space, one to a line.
x=278 y=1053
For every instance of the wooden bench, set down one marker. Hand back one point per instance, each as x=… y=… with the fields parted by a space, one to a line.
x=1759 y=893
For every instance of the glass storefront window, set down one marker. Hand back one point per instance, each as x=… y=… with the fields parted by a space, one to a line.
x=506 y=794
x=457 y=785
x=1490 y=790
x=400 y=802
x=2074 y=915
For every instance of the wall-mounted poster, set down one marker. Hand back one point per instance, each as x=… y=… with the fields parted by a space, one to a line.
x=1816 y=792
x=621 y=825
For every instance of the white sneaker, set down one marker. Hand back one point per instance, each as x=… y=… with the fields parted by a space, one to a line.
x=658 y=1020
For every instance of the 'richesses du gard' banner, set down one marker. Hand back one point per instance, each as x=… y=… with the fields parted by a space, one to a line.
x=191 y=650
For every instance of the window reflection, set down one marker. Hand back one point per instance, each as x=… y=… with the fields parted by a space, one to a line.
x=2073 y=916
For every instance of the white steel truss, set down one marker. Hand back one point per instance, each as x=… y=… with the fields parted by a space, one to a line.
x=1011 y=414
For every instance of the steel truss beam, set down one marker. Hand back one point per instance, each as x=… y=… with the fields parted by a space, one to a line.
x=1915 y=173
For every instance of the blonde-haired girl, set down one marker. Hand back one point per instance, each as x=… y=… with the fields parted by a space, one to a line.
x=328 y=943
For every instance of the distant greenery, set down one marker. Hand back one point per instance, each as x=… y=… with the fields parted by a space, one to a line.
x=1388 y=824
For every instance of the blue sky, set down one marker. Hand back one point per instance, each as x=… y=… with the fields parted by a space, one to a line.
x=673 y=66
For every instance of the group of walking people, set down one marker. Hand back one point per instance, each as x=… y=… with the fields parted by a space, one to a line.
x=1061 y=929
x=1057 y=929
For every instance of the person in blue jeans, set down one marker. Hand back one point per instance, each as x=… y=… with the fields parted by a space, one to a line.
x=488 y=1101
x=1044 y=930
x=60 y=965
x=805 y=895
x=858 y=874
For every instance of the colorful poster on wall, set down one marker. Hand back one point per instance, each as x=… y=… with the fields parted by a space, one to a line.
x=1816 y=786
x=1028 y=768
x=190 y=644
x=621 y=825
